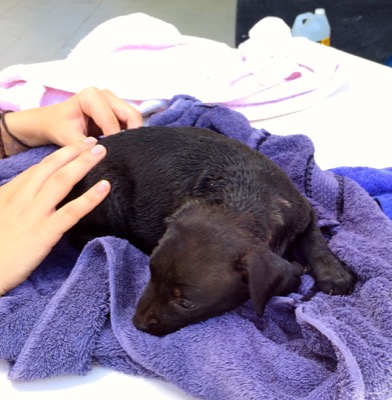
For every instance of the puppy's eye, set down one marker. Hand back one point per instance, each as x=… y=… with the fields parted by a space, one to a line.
x=184 y=303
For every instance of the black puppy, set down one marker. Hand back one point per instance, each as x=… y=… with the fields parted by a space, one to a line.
x=221 y=222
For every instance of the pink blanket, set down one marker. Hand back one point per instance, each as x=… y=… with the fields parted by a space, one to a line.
x=147 y=61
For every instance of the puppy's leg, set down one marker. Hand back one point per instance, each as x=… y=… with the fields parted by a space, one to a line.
x=269 y=275
x=331 y=276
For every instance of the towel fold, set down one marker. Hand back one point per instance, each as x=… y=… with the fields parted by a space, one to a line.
x=75 y=310
x=147 y=61
x=376 y=181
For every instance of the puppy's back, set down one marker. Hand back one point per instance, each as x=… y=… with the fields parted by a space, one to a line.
x=153 y=170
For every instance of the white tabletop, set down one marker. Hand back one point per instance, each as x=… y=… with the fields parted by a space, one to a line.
x=100 y=382
x=353 y=126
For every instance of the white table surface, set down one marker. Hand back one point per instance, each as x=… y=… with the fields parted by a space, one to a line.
x=352 y=127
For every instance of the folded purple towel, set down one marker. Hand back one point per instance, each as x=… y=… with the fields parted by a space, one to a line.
x=376 y=181
x=77 y=309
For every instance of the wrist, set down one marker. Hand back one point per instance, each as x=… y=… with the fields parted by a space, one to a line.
x=20 y=131
x=10 y=144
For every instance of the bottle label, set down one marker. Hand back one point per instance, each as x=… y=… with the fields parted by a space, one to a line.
x=326 y=41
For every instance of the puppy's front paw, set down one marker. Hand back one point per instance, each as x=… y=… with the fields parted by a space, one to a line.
x=334 y=278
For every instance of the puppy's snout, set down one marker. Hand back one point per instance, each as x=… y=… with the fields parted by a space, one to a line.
x=147 y=324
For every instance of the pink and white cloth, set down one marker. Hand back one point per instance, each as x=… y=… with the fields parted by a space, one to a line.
x=147 y=61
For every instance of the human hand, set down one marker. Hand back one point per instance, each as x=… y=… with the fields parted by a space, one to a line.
x=29 y=221
x=92 y=112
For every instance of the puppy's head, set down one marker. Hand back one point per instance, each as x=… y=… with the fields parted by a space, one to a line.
x=207 y=263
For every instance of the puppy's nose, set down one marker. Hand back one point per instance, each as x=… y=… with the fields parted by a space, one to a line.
x=145 y=324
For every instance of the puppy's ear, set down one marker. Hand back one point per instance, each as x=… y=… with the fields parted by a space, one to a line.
x=269 y=275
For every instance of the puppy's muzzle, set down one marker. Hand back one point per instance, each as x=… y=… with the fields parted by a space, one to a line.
x=145 y=324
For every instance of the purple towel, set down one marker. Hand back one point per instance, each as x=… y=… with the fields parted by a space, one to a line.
x=75 y=310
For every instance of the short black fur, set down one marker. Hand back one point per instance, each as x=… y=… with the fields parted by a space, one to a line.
x=221 y=223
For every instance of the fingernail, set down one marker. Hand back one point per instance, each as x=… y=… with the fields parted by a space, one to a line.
x=103 y=186
x=98 y=149
x=90 y=140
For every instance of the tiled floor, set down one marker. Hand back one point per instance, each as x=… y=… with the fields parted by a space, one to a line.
x=41 y=30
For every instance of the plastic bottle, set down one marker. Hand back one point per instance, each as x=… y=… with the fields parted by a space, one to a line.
x=313 y=26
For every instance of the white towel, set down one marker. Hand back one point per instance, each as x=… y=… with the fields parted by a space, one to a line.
x=144 y=59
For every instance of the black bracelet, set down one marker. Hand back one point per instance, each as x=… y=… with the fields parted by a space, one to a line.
x=12 y=136
x=2 y=150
